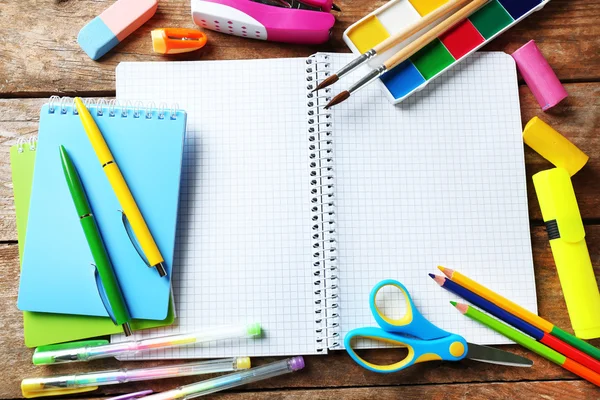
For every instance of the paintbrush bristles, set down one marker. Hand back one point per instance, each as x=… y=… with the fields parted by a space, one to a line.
x=343 y=96
x=327 y=82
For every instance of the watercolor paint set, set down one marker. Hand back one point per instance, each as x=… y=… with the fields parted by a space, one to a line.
x=444 y=52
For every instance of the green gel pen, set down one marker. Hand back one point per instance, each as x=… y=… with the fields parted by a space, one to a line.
x=104 y=267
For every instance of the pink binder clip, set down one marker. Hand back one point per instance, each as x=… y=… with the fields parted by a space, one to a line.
x=539 y=76
x=290 y=21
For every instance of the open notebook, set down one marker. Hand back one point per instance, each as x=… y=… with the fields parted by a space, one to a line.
x=290 y=214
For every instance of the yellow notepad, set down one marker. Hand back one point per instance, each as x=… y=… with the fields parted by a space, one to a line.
x=45 y=328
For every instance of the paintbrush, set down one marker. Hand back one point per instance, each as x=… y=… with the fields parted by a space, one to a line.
x=409 y=50
x=390 y=42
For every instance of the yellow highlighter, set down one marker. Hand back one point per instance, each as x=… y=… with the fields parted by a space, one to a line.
x=567 y=240
x=130 y=208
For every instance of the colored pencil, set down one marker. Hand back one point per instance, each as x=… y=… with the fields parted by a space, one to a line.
x=529 y=343
x=521 y=312
x=525 y=327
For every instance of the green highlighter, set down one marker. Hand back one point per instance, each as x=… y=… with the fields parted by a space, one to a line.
x=109 y=289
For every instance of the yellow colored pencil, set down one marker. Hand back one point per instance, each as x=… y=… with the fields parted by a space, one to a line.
x=119 y=185
x=520 y=312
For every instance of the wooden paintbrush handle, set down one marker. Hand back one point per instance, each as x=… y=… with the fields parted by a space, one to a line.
x=430 y=18
x=424 y=40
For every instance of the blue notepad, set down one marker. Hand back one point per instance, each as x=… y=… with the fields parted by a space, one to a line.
x=57 y=272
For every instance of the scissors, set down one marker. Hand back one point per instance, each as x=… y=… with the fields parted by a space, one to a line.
x=423 y=340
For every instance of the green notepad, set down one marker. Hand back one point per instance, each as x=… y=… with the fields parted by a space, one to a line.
x=45 y=328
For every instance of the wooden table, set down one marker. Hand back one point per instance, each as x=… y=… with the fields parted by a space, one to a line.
x=39 y=57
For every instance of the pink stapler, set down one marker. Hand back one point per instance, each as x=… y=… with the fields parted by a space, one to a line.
x=290 y=21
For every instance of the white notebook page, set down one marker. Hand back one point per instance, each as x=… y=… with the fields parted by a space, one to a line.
x=436 y=180
x=243 y=243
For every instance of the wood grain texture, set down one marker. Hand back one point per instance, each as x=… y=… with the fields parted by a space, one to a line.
x=547 y=390
x=335 y=370
x=39 y=56
x=39 y=52
x=577 y=118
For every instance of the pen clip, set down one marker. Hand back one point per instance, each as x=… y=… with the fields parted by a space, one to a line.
x=133 y=239
x=103 y=295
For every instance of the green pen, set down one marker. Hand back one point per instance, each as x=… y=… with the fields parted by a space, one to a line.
x=104 y=267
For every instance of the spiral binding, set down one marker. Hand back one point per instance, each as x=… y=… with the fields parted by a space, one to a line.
x=322 y=194
x=30 y=142
x=112 y=108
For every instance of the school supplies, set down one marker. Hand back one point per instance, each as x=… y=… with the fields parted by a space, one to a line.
x=267 y=211
x=148 y=144
x=131 y=210
x=89 y=381
x=566 y=233
x=520 y=312
x=132 y=396
x=115 y=23
x=96 y=349
x=391 y=42
x=232 y=380
x=290 y=21
x=106 y=280
x=539 y=76
x=553 y=146
x=177 y=40
x=529 y=343
x=408 y=51
x=45 y=328
x=525 y=327
x=423 y=340
x=441 y=55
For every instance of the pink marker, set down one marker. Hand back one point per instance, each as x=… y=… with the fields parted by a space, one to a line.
x=114 y=24
x=539 y=76
x=273 y=21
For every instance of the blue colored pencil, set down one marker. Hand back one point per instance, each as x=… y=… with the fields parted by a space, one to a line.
x=488 y=306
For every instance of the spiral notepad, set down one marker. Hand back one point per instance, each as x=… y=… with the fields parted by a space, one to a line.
x=58 y=275
x=290 y=214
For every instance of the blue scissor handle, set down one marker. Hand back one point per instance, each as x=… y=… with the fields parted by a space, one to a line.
x=449 y=348
x=413 y=323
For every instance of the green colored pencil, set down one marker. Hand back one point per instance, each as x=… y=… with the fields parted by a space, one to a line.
x=528 y=343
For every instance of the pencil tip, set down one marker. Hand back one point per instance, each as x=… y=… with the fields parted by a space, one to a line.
x=343 y=96
x=327 y=82
x=453 y=303
x=432 y=276
x=441 y=268
x=335 y=7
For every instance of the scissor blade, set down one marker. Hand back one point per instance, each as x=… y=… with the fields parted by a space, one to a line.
x=495 y=356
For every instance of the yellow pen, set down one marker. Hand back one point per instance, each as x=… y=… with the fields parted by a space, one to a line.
x=130 y=208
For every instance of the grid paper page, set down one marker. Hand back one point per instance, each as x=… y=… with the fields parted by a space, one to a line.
x=436 y=180
x=243 y=240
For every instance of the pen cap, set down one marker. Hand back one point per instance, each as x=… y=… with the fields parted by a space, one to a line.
x=34 y=387
x=567 y=241
x=558 y=204
x=553 y=146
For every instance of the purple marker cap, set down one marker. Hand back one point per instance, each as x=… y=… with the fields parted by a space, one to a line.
x=130 y=396
x=296 y=363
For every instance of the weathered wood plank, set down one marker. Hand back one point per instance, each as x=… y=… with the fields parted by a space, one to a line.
x=39 y=51
x=547 y=390
x=577 y=118
x=335 y=370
